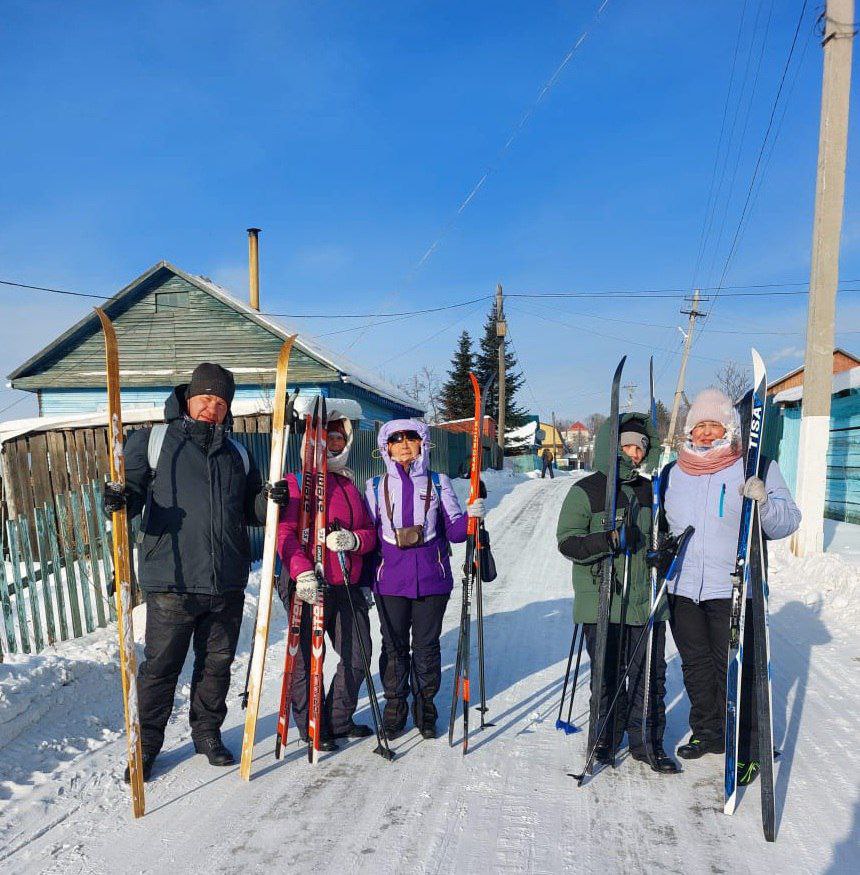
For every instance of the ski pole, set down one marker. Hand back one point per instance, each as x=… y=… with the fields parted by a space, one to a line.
x=559 y=723
x=455 y=694
x=670 y=575
x=570 y=728
x=382 y=747
x=479 y=596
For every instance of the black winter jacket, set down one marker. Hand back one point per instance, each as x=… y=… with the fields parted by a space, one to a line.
x=195 y=509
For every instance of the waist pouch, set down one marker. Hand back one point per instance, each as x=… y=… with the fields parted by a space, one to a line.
x=488 y=564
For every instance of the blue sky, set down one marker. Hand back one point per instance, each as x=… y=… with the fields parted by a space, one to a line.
x=351 y=133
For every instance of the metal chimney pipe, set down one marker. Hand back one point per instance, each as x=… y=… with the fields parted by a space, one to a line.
x=254 y=267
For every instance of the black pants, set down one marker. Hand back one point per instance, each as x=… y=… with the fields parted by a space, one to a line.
x=631 y=700
x=417 y=666
x=173 y=621
x=547 y=466
x=341 y=699
x=701 y=632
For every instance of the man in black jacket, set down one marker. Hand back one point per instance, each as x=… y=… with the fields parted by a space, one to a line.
x=197 y=490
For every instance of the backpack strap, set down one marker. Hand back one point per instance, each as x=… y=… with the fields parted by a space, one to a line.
x=437 y=482
x=376 y=480
x=156 y=441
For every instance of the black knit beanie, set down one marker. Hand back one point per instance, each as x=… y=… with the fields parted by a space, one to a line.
x=212 y=379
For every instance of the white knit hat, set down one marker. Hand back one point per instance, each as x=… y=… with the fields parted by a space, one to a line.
x=712 y=405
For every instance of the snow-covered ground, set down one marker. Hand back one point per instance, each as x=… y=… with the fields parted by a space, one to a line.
x=508 y=806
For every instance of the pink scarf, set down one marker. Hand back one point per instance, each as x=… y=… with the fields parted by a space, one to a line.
x=707 y=463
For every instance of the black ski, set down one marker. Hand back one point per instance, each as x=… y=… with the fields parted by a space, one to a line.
x=605 y=592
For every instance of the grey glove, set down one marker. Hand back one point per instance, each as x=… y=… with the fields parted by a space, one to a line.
x=307 y=586
x=755 y=489
x=477 y=509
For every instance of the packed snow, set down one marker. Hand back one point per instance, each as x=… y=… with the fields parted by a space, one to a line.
x=509 y=806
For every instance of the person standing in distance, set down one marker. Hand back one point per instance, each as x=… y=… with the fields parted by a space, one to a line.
x=197 y=491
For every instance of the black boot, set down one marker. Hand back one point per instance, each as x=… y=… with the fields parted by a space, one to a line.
x=213 y=749
x=424 y=714
x=147 y=762
x=394 y=717
x=602 y=754
x=354 y=730
x=662 y=763
x=327 y=743
x=698 y=746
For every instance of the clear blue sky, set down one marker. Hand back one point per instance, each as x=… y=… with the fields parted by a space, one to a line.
x=352 y=132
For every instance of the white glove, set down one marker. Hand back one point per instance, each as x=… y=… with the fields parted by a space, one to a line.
x=342 y=541
x=755 y=489
x=306 y=587
x=477 y=509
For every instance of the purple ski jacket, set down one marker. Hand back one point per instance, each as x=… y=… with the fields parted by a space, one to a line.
x=423 y=570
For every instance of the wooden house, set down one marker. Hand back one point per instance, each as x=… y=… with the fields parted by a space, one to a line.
x=842 y=361
x=168 y=321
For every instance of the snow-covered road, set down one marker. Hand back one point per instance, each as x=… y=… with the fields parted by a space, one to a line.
x=508 y=806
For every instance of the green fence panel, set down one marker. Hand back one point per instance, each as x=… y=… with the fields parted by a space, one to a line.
x=12 y=532
x=32 y=584
x=93 y=556
x=47 y=571
x=8 y=616
x=68 y=539
x=57 y=576
x=78 y=556
x=106 y=543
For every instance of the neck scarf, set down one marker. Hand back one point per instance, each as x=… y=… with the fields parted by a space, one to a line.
x=707 y=461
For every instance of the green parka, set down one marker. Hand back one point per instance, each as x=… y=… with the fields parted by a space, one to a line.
x=581 y=532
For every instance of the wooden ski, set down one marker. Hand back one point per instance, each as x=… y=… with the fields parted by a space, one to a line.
x=122 y=572
x=280 y=435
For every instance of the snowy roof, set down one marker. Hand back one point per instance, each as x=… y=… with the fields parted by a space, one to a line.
x=349 y=372
x=524 y=436
x=841 y=383
x=240 y=407
x=799 y=368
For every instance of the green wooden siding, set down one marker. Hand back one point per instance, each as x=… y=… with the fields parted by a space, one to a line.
x=168 y=344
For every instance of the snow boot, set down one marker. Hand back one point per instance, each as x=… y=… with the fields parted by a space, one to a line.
x=602 y=754
x=394 y=717
x=663 y=763
x=697 y=747
x=354 y=730
x=147 y=762
x=748 y=772
x=424 y=714
x=213 y=749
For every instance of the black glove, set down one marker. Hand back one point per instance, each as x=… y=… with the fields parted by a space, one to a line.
x=662 y=557
x=114 y=498
x=278 y=492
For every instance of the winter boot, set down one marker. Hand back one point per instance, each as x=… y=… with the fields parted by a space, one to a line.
x=602 y=754
x=147 y=762
x=697 y=747
x=354 y=730
x=213 y=749
x=663 y=763
x=327 y=744
x=748 y=772
x=394 y=717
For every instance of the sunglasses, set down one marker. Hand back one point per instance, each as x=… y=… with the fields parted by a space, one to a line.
x=399 y=436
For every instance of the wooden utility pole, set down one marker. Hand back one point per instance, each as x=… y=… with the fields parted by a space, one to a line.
x=254 y=268
x=693 y=313
x=501 y=331
x=824 y=276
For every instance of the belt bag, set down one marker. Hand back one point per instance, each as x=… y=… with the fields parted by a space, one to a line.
x=488 y=564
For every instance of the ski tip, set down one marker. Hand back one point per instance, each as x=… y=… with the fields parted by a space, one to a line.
x=759 y=369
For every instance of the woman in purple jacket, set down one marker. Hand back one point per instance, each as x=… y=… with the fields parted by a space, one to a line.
x=417 y=516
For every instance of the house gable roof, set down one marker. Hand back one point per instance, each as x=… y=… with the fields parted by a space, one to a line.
x=797 y=370
x=343 y=369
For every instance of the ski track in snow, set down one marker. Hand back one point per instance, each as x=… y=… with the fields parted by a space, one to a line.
x=509 y=806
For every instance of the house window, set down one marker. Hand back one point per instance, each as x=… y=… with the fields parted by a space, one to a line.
x=166 y=302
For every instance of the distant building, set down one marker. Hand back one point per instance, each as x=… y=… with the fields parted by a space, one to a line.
x=465 y=426
x=842 y=361
x=167 y=322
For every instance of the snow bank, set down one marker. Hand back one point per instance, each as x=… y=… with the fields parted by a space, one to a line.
x=824 y=580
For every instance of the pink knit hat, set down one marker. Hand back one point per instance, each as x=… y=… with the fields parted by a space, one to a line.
x=712 y=405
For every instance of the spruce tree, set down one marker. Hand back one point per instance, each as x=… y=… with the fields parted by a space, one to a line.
x=487 y=363
x=457 y=398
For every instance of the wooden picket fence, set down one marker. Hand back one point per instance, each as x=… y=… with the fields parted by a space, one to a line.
x=57 y=588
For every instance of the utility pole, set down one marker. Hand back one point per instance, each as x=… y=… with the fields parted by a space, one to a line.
x=693 y=313
x=630 y=388
x=501 y=331
x=254 y=268
x=824 y=276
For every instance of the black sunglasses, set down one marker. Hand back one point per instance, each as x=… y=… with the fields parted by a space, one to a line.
x=399 y=436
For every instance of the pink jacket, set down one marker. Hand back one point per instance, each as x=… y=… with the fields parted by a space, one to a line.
x=344 y=505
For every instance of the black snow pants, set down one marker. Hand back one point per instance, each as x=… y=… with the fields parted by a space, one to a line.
x=701 y=631
x=547 y=466
x=341 y=699
x=174 y=621
x=418 y=666
x=630 y=702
